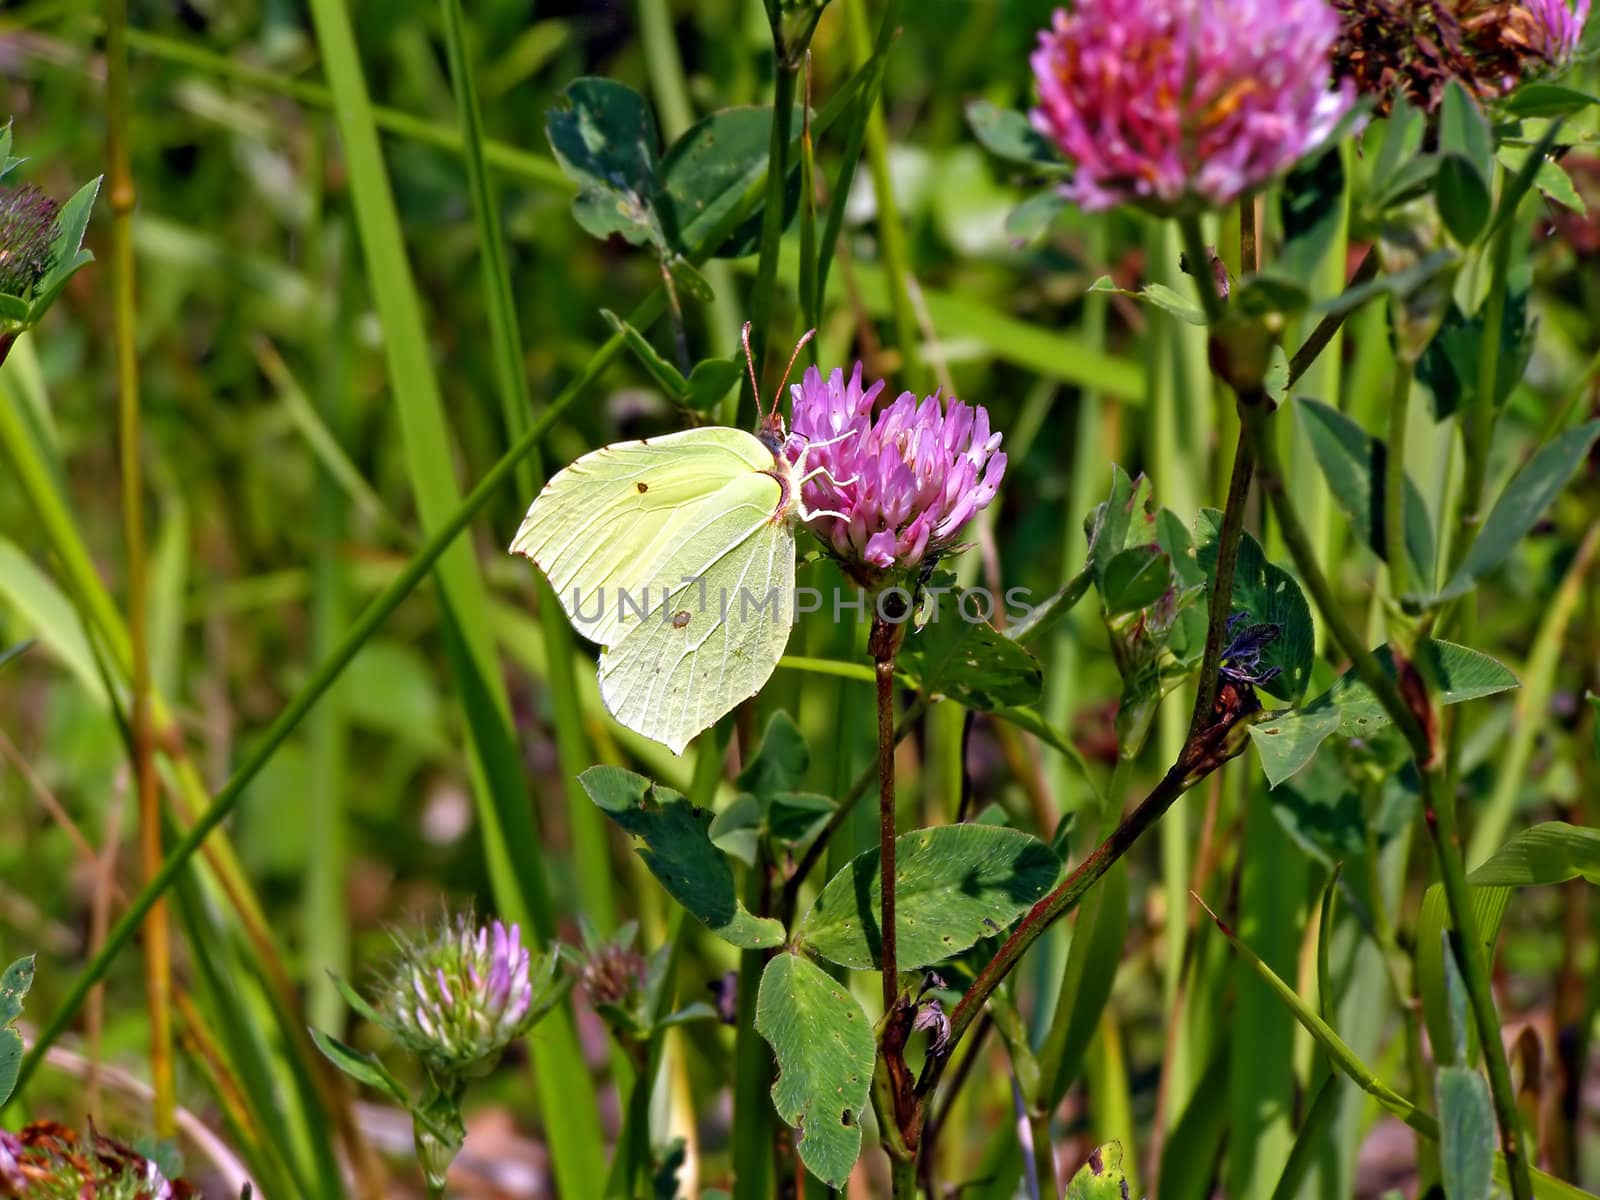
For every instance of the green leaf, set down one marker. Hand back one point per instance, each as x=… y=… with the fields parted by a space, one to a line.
x=363 y=1068
x=1530 y=492
x=1163 y=297
x=667 y=377
x=1550 y=852
x=14 y=310
x=710 y=381
x=1466 y=1133
x=1354 y=463
x=1036 y=214
x=679 y=853
x=1102 y=1177
x=824 y=1047
x=1463 y=129
x=1008 y=134
x=956 y=884
x=1265 y=592
x=1266 y=292
x=1449 y=366
x=781 y=761
x=67 y=255
x=1322 y=811
x=604 y=137
x=958 y=654
x=1553 y=180
x=1136 y=578
x=1463 y=198
x=706 y=174
x=1546 y=100
x=14 y=985
x=1400 y=147
x=1124 y=519
x=1286 y=743
x=1311 y=206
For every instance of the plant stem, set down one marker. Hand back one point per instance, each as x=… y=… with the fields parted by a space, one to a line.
x=1067 y=896
x=903 y=1178
x=122 y=198
x=1394 y=481
x=587 y=825
x=1220 y=607
x=854 y=141
x=1438 y=797
x=772 y=215
x=1317 y=340
x=1199 y=260
x=883 y=641
x=891 y=232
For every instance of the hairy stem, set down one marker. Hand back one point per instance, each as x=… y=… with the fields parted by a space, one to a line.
x=122 y=198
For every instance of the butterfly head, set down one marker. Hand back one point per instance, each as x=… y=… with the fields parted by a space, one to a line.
x=769 y=425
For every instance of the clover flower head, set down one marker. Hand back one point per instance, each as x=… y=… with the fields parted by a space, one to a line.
x=27 y=232
x=894 y=487
x=1556 y=27
x=46 y=1161
x=459 y=997
x=1177 y=103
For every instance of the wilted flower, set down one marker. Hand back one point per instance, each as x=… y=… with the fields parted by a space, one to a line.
x=46 y=1161
x=1166 y=103
x=27 y=229
x=613 y=974
x=461 y=997
x=897 y=489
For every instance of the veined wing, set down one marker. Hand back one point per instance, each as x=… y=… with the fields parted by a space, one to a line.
x=607 y=530
x=713 y=642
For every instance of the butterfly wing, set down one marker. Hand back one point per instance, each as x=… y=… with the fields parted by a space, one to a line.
x=648 y=545
x=715 y=639
x=605 y=529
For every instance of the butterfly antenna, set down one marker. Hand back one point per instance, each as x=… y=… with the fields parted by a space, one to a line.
x=750 y=362
x=798 y=346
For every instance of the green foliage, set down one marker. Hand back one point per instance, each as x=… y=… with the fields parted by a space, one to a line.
x=823 y=1044
x=677 y=849
x=956 y=884
x=14 y=985
x=957 y=653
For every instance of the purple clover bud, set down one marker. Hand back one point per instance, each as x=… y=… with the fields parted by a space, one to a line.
x=27 y=231
x=459 y=998
x=1174 y=104
x=891 y=492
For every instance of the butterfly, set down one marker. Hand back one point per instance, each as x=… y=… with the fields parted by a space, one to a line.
x=676 y=555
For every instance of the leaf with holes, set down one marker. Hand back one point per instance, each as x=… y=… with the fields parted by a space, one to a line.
x=679 y=852
x=956 y=884
x=1286 y=743
x=604 y=137
x=1102 y=1177
x=824 y=1047
x=958 y=654
x=14 y=985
